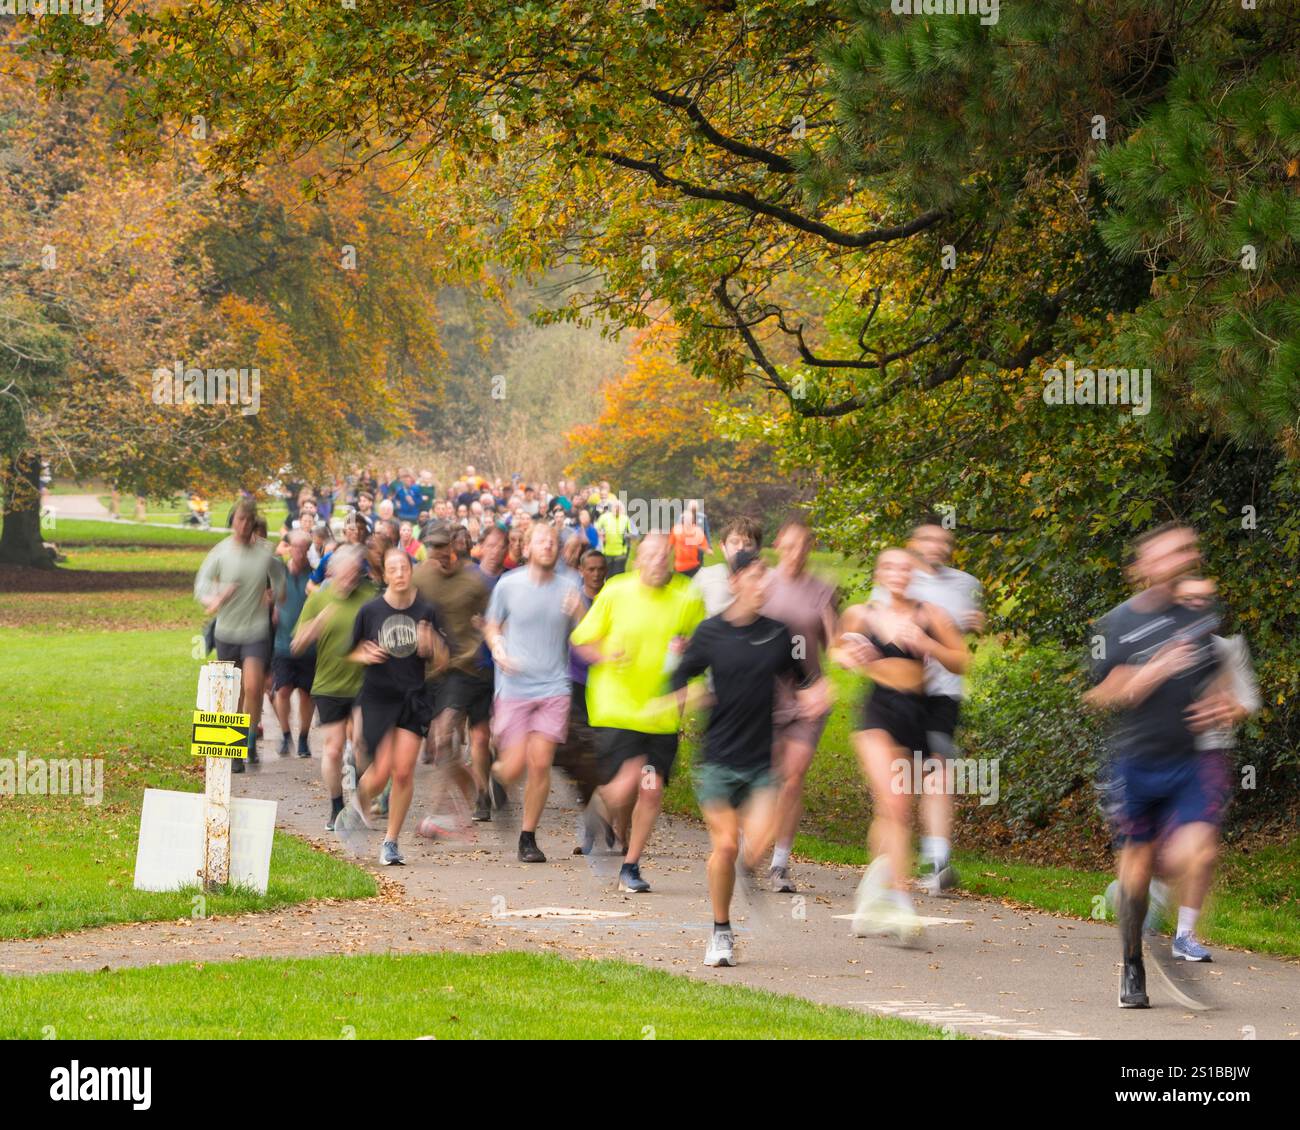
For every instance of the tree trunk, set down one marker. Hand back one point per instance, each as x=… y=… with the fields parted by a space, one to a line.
x=20 y=540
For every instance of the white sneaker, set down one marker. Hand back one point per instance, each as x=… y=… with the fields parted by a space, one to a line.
x=870 y=897
x=722 y=949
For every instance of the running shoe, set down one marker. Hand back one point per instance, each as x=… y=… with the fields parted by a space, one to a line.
x=781 y=882
x=379 y=806
x=630 y=881
x=329 y=824
x=529 y=852
x=499 y=798
x=389 y=855
x=349 y=769
x=446 y=826
x=1187 y=948
x=237 y=765
x=722 y=949
x=304 y=750
x=286 y=745
x=938 y=882
x=350 y=825
x=483 y=807
x=1133 y=985
x=870 y=896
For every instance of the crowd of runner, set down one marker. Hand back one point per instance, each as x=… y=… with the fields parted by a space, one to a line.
x=497 y=632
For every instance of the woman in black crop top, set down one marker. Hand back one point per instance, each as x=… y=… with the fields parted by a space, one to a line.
x=890 y=641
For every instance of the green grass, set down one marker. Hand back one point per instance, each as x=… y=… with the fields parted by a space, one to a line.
x=124 y=697
x=449 y=996
x=66 y=532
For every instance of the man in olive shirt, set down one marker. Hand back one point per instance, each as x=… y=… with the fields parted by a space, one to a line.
x=239 y=582
x=465 y=692
x=326 y=623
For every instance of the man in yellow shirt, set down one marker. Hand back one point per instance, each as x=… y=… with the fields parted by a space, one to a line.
x=634 y=635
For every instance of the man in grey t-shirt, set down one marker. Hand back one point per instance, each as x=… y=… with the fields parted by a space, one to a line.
x=532 y=611
x=239 y=582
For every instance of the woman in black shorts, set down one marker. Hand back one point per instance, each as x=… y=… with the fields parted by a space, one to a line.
x=400 y=639
x=890 y=640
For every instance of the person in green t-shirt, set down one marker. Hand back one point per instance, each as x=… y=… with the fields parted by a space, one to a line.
x=633 y=635
x=326 y=621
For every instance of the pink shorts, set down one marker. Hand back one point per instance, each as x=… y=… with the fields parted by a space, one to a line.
x=513 y=719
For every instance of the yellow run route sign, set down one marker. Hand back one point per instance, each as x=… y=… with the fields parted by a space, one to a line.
x=219 y=735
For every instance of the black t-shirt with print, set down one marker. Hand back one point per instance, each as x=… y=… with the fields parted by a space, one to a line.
x=394 y=629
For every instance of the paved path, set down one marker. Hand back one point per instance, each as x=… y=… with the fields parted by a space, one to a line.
x=984 y=969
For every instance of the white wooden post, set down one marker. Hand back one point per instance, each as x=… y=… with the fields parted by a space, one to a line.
x=218 y=691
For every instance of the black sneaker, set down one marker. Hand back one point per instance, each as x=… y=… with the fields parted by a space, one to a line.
x=253 y=759
x=529 y=852
x=1133 y=985
x=482 y=807
x=236 y=764
x=499 y=797
x=286 y=745
x=304 y=750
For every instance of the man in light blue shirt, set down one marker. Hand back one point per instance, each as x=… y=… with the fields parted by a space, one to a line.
x=532 y=611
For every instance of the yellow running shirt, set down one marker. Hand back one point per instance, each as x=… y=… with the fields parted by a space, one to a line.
x=641 y=621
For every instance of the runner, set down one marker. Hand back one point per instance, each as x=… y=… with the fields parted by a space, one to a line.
x=489 y=569
x=634 y=636
x=747 y=653
x=529 y=617
x=889 y=640
x=465 y=693
x=713 y=582
x=1159 y=670
x=292 y=673
x=1214 y=747
x=577 y=756
x=326 y=624
x=239 y=581
x=959 y=595
x=806 y=606
x=400 y=638
x=615 y=530
x=689 y=545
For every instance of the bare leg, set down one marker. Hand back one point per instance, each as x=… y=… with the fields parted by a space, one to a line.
x=540 y=753
x=406 y=749
x=724 y=835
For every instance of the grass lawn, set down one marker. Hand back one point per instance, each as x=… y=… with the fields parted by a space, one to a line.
x=66 y=532
x=69 y=865
x=450 y=996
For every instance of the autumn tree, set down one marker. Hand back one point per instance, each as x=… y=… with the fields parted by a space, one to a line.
x=664 y=434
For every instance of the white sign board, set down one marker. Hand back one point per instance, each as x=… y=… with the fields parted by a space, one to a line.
x=170 y=852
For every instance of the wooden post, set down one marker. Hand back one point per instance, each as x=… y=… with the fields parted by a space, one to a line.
x=218 y=691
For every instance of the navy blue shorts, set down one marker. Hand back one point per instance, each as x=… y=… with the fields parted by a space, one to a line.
x=1150 y=799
